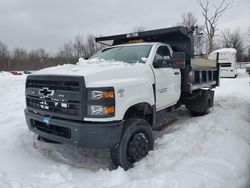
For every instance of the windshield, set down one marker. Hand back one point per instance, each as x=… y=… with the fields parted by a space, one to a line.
x=129 y=54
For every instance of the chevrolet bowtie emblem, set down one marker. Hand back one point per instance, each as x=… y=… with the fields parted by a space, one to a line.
x=46 y=92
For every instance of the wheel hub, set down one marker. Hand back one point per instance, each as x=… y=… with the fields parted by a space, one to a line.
x=138 y=147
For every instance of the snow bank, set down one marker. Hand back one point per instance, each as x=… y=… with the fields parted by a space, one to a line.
x=87 y=67
x=195 y=152
x=102 y=62
x=4 y=73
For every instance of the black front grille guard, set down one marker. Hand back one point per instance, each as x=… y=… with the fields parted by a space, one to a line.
x=68 y=99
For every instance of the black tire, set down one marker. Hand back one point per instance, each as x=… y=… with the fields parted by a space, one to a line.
x=40 y=138
x=195 y=114
x=207 y=105
x=136 y=141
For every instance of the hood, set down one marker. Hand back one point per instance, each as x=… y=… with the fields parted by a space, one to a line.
x=98 y=72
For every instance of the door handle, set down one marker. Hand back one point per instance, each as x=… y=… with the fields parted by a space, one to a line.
x=176 y=73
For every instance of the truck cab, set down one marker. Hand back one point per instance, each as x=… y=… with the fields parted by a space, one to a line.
x=143 y=56
x=119 y=95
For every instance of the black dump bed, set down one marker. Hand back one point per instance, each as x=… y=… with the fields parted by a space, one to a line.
x=180 y=38
x=199 y=72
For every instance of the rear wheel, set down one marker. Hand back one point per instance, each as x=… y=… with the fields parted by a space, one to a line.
x=199 y=106
x=136 y=141
x=205 y=111
x=198 y=113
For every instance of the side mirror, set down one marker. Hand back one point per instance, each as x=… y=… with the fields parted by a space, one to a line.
x=178 y=60
x=160 y=63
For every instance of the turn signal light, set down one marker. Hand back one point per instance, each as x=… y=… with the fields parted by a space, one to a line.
x=108 y=94
x=109 y=110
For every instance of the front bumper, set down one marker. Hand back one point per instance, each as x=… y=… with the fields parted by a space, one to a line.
x=80 y=133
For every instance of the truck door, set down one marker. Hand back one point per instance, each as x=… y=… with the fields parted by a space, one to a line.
x=167 y=81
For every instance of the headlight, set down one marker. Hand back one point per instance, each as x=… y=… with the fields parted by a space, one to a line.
x=97 y=110
x=100 y=102
x=97 y=95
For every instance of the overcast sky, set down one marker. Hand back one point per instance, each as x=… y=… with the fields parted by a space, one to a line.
x=49 y=23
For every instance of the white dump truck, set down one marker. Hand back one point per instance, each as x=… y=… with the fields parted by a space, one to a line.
x=116 y=98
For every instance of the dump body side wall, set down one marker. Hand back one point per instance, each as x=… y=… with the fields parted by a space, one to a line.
x=194 y=78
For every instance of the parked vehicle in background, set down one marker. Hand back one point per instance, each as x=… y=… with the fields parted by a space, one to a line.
x=27 y=72
x=123 y=92
x=16 y=72
x=227 y=61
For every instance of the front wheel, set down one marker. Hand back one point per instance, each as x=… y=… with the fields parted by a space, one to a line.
x=136 y=141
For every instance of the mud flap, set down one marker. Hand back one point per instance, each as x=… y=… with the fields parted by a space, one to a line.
x=201 y=103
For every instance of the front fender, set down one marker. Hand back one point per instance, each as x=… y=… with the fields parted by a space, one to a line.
x=137 y=91
x=136 y=84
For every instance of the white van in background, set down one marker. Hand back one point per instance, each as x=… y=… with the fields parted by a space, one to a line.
x=227 y=61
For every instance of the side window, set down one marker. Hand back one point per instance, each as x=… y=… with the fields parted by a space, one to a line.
x=162 y=53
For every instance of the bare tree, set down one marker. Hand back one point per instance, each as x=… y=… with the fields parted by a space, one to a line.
x=247 y=56
x=42 y=53
x=4 y=52
x=4 y=56
x=67 y=51
x=37 y=56
x=20 y=54
x=79 y=47
x=188 y=20
x=21 y=59
x=233 y=40
x=38 y=53
x=92 y=46
x=199 y=41
x=212 y=13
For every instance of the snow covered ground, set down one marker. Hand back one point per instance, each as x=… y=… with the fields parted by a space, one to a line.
x=211 y=151
x=4 y=73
